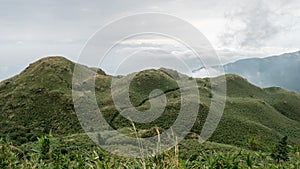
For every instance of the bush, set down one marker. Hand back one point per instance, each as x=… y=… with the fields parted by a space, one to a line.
x=44 y=146
x=281 y=150
x=253 y=143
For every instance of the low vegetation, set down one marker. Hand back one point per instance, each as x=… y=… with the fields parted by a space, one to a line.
x=48 y=152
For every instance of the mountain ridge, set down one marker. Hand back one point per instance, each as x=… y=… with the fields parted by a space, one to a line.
x=39 y=100
x=278 y=70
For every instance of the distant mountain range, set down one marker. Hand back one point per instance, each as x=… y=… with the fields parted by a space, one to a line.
x=282 y=70
x=39 y=100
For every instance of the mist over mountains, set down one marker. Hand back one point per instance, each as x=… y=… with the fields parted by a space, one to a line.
x=281 y=71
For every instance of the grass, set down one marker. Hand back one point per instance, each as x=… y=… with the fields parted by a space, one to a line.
x=191 y=155
x=39 y=100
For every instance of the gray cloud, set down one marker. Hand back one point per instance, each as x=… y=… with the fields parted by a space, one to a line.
x=136 y=53
x=250 y=25
x=31 y=29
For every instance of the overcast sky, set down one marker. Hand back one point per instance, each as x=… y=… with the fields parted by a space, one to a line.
x=237 y=29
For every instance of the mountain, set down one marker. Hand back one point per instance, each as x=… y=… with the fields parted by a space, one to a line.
x=39 y=100
x=279 y=70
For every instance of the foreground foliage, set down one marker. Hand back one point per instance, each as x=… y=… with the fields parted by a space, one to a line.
x=47 y=153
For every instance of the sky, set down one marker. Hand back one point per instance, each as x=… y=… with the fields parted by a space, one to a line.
x=236 y=29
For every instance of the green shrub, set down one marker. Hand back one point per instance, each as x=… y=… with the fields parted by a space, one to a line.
x=44 y=146
x=281 y=150
x=253 y=143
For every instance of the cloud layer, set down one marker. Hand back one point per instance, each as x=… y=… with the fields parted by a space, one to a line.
x=237 y=29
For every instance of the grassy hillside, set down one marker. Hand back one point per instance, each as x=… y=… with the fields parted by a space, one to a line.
x=39 y=100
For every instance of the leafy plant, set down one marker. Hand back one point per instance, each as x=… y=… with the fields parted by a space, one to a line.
x=44 y=147
x=281 y=150
x=253 y=143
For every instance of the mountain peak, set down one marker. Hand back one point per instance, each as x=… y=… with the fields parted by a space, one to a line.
x=53 y=58
x=52 y=63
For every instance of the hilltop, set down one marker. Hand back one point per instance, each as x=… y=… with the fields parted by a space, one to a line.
x=39 y=100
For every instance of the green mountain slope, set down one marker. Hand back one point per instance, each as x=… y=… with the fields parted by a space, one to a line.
x=39 y=99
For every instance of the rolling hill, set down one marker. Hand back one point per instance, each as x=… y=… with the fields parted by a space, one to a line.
x=39 y=100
